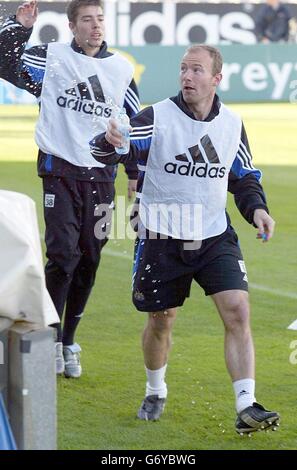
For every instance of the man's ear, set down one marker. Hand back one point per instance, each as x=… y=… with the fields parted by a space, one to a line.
x=218 y=77
x=72 y=27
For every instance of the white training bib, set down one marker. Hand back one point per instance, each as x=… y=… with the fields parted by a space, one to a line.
x=74 y=101
x=185 y=185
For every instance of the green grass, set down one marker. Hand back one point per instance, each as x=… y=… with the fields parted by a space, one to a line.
x=98 y=411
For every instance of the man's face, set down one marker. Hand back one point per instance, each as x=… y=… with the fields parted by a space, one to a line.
x=89 y=27
x=196 y=77
x=273 y=3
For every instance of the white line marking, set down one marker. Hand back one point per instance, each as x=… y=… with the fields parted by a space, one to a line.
x=117 y=254
x=269 y=290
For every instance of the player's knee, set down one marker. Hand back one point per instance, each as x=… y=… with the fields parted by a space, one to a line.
x=162 y=322
x=85 y=277
x=66 y=259
x=237 y=315
x=61 y=265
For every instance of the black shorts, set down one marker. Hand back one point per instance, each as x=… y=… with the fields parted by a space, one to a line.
x=164 y=270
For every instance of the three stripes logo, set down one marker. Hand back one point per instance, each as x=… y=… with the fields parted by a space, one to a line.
x=199 y=166
x=84 y=97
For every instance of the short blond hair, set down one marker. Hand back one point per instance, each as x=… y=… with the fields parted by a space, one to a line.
x=217 y=60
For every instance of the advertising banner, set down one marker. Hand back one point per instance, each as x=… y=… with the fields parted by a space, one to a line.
x=165 y=23
x=252 y=72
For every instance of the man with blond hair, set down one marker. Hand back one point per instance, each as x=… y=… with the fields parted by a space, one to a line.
x=190 y=150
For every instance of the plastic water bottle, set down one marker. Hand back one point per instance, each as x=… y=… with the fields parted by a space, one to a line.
x=123 y=122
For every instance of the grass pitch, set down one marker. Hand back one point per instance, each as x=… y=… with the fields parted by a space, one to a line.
x=98 y=411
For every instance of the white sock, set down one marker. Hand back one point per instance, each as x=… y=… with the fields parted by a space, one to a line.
x=155 y=384
x=244 y=390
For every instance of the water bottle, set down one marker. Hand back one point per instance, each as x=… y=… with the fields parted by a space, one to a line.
x=123 y=123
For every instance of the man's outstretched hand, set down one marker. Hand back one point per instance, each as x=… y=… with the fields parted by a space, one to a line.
x=27 y=13
x=265 y=224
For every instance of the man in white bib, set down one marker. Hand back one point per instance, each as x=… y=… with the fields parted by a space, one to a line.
x=75 y=85
x=190 y=150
